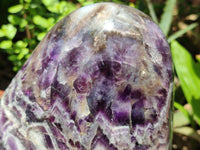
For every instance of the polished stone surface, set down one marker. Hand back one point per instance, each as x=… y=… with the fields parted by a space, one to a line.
x=101 y=79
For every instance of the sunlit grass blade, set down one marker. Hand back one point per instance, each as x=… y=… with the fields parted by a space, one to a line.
x=185 y=112
x=182 y=109
x=166 y=18
x=188 y=72
x=180 y=120
x=152 y=11
x=181 y=32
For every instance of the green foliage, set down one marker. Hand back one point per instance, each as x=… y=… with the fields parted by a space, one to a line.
x=8 y=31
x=15 y=9
x=181 y=32
x=166 y=18
x=188 y=72
x=29 y=21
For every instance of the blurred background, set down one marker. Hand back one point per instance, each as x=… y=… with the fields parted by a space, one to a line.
x=23 y=24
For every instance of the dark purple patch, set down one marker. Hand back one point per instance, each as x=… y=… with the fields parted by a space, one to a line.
x=73 y=115
x=133 y=139
x=30 y=116
x=39 y=72
x=17 y=112
x=73 y=57
x=147 y=49
x=163 y=50
x=58 y=125
x=48 y=141
x=59 y=91
x=78 y=144
x=116 y=66
x=62 y=145
x=29 y=93
x=105 y=68
x=81 y=85
x=136 y=94
x=161 y=101
x=126 y=92
x=163 y=92
x=46 y=61
x=157 y=69
x=23 y=76
x=137 y=113
x=45 y=83
x=153 y=116
x=101 y=138
x=71 y=142
x=51 y=119
x=54 y=53
x=121 y=118
x=112 y=147
x=3 y=118
x=141 y=147
x=100 y=97
x=89 y=118
x=170 y=75
x=137 y=117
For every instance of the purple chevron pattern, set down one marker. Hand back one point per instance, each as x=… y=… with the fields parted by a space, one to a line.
x=101 y=79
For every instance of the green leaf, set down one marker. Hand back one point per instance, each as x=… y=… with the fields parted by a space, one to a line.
x=166 y=18
x=14 y=19
x=20 y=56
x=181 y=32
x=23 y=23
x=21 y=44
x=27 y=56
x=87 y=3
x=24 y=51
x=17 y=21
x=66 y=7
x=180 y=119
x=43 y=22
x=28 y=1
x=49 y=2
x=2 y=34
x=16 y=68
x=17 y=50
x=6 y=44
x=40 y=36
x=8 y=31
x=188 y=72
x=12 y=57
x=152 y=11
x=182 y=110
x=52 y=5
x=186 y=69
x=15 y=9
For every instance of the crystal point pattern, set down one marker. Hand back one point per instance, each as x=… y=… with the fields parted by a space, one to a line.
x=101 y=79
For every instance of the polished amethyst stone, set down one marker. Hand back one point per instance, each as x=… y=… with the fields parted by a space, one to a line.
x=101 y=79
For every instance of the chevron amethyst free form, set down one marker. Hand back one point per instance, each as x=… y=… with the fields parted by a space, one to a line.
x=101 y=79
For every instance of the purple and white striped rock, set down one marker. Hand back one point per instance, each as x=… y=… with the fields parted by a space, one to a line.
x=101 y=79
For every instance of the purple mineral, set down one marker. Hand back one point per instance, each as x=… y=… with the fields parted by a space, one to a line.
x=101 y=79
